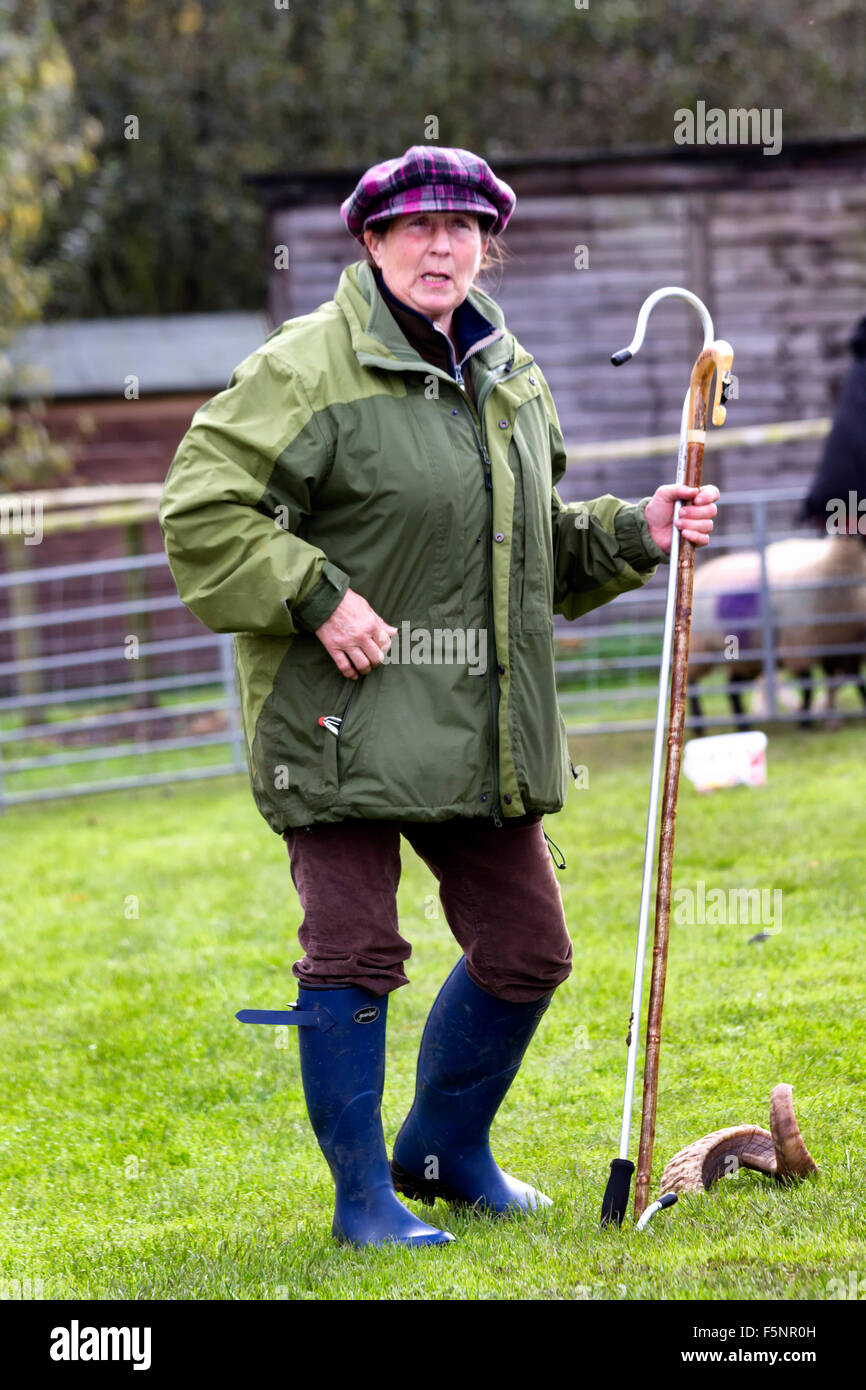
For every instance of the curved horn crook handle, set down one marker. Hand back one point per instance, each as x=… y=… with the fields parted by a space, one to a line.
x=666 y=292
x=723 y=359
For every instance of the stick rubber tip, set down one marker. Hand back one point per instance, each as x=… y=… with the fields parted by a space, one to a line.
x=616 y=1194
x=617 y=358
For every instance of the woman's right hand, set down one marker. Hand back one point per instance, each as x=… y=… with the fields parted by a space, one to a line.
x=355 y=636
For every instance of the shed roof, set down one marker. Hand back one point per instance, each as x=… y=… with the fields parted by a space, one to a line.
x=633 y=168
x=171 y=353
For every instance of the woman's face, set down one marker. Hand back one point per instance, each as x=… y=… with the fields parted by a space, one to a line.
x=429 y=259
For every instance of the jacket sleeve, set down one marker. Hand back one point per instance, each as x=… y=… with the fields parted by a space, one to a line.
x=236 y=495
x=600 y=548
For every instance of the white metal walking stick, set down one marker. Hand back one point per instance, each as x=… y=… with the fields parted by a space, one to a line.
x=716 y=356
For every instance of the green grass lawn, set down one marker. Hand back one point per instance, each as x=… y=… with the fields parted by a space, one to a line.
x=154 y=1148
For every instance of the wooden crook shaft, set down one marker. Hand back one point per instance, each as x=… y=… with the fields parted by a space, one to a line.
x=716 y=358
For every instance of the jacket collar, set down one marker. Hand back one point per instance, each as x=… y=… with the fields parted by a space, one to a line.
x=376 y=335
x=472 y=329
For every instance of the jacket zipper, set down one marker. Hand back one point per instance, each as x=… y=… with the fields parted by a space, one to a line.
x=493 y=678
x=493 y=683
x=458 y=366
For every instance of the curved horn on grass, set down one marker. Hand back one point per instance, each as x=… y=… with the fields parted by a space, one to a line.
x=718 y=1155
x=793 y=1160
x=779 y=1151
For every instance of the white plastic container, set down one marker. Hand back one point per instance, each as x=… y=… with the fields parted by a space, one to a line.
x=726 y=760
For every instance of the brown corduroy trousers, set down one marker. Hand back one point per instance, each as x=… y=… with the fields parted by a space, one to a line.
x=497 y=887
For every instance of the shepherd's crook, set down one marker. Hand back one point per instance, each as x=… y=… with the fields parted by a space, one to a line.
x=716 y=356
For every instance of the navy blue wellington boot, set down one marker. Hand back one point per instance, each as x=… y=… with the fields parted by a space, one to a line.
x=342 y=1051
x=471 y=1050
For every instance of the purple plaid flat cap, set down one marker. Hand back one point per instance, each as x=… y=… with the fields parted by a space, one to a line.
x=429 y=178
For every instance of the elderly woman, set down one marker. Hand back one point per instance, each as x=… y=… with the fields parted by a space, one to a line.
x=370 y=506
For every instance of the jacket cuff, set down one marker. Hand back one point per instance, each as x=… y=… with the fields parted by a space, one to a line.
x=324 y=597
x=636 y=545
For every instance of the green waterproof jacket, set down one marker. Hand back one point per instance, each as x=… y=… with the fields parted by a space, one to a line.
x=337 y=457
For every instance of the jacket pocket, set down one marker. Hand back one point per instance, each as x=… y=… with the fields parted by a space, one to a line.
x=331 y=738
x=345 y=752
x=535 y=725
x=289 y=742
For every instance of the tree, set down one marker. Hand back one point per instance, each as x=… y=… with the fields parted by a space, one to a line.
x=43 y=148
x=220 y=90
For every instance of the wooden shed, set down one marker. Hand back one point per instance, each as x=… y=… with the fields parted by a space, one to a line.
x=774 y=244
x=121 y=392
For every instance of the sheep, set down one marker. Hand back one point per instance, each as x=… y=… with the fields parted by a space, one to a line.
x=727 y=601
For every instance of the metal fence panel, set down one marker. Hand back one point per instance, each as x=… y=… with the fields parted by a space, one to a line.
x=100 y=662
x=94 y=672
